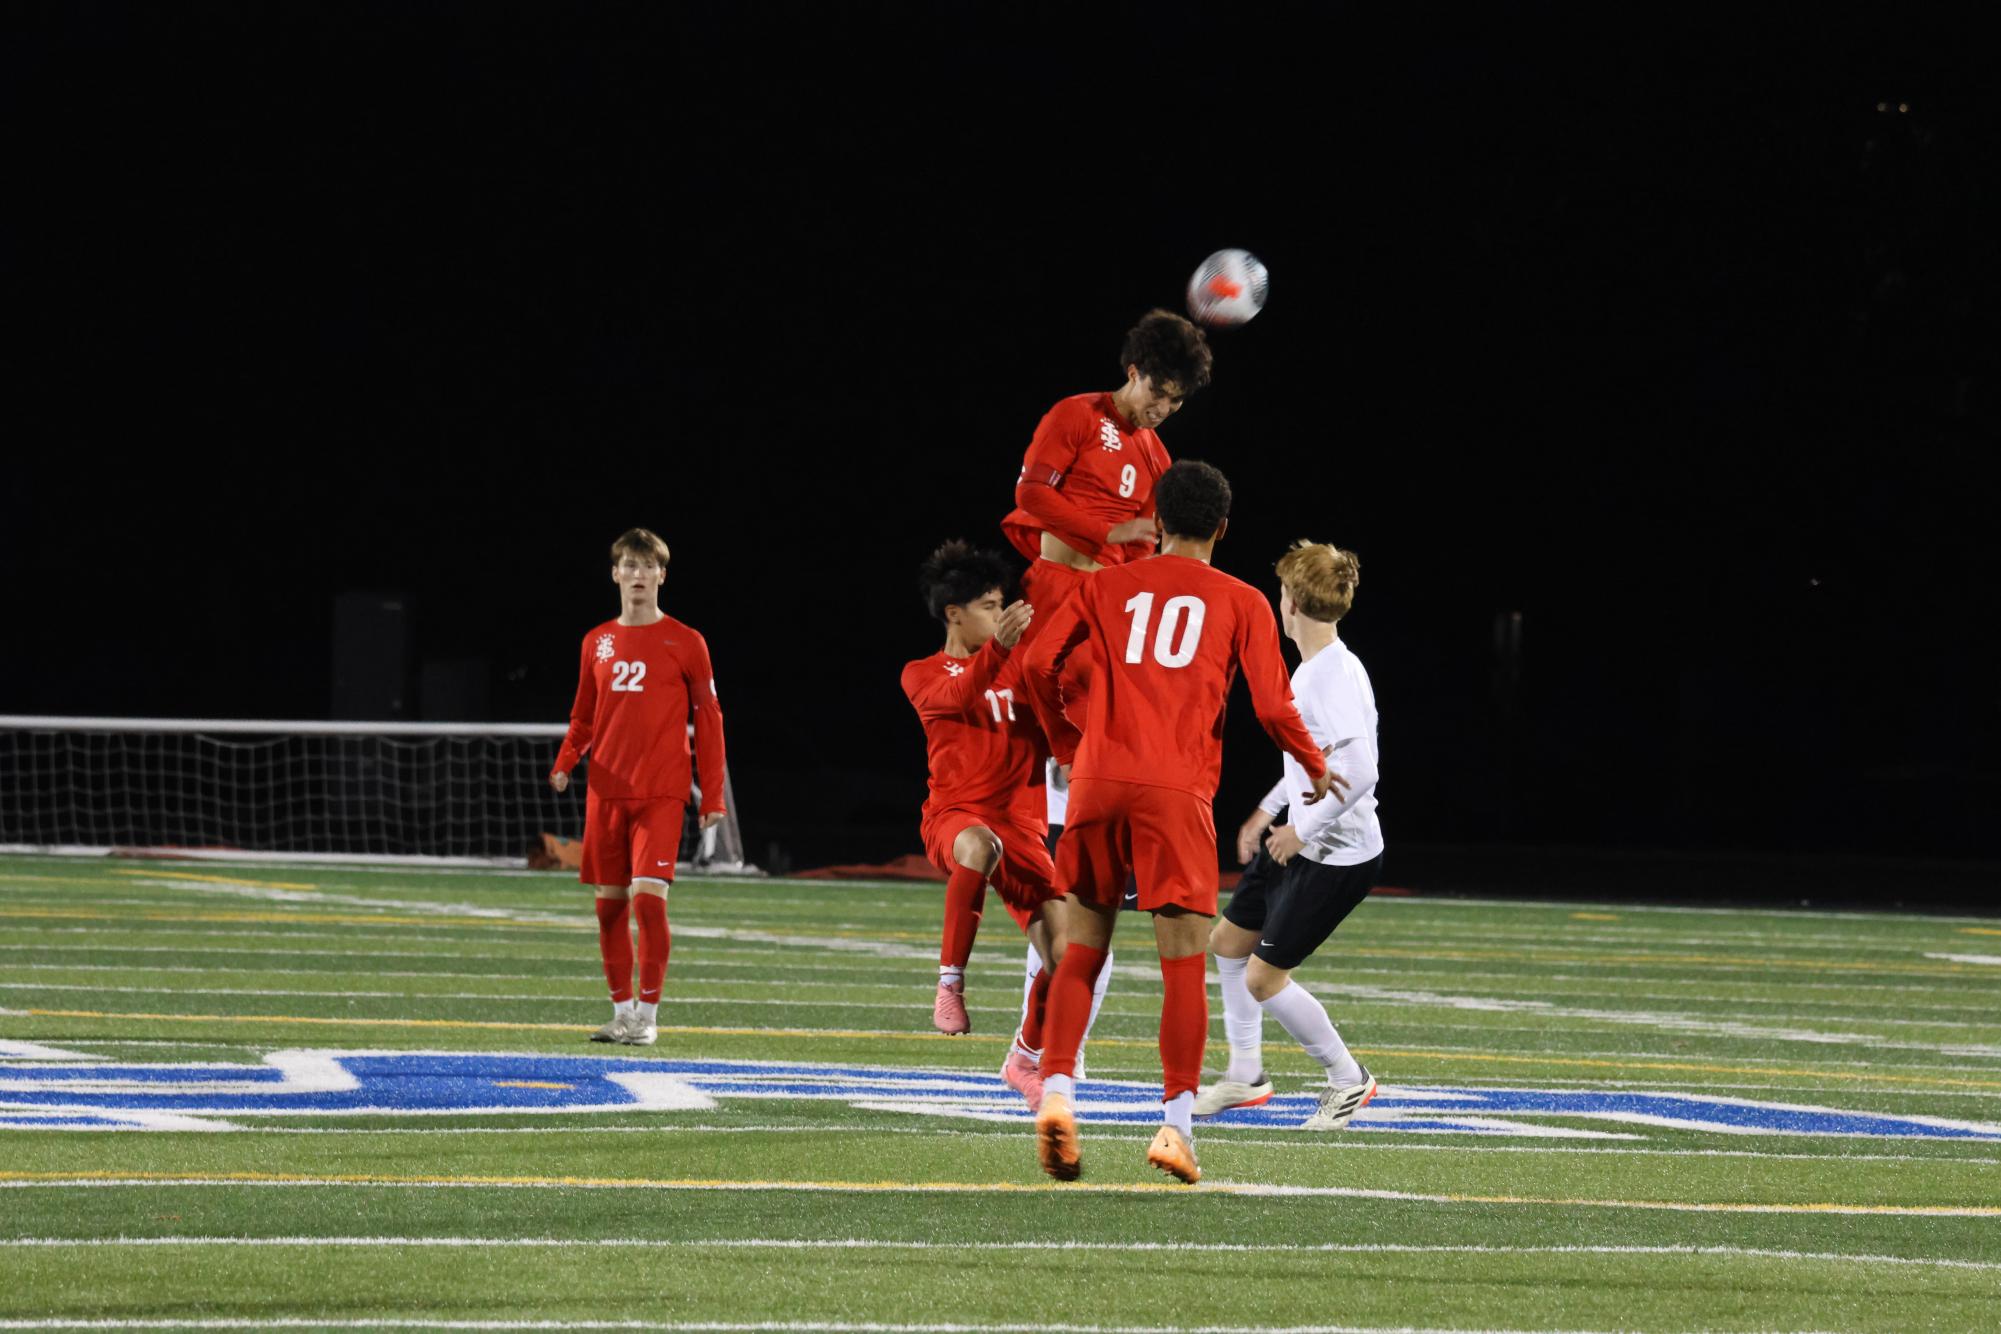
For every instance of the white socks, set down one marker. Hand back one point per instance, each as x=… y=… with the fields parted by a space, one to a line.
x=1243 y=1022
x=1034 y=966
x=1180 y=1113
x=947 y=975
x=644 y=1012
x=1301 y=1014
x=622 y=1007
x=1063 y=1086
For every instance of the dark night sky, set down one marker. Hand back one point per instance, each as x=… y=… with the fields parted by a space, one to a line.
x=1670 y=341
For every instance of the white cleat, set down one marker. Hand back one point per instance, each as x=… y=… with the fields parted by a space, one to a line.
x=639 y=1032
x=613 y=1031
x=1224 y=1094
x=1339 y=1105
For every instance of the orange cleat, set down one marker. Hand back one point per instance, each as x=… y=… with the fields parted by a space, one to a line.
x=1056 y=1138
x=1173 y=1154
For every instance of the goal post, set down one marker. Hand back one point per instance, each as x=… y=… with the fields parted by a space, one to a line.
x=467 y=794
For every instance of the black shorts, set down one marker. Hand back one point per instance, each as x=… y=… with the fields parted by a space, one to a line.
x=1295 y=907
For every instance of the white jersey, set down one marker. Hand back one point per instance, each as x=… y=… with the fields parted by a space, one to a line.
x=1338 y=706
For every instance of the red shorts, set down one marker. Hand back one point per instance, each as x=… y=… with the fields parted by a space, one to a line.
x=1046 y=586
x=631 y=840
x=1024 y=878
x=1164 y=837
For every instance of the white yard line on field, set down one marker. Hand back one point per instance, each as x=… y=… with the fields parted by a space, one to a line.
x=878 y=1244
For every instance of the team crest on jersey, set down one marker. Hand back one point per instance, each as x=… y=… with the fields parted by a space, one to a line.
x=607 y=646
x=954 y=669
x=1108 y=434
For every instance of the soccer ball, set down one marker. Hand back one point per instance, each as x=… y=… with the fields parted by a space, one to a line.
x=1228 y=287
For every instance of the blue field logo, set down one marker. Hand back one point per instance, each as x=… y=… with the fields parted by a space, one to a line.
x=87 y=1095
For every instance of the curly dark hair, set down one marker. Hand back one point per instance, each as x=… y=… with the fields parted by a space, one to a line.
x=958 y=573
x=1192 y=499
x=1168 y=349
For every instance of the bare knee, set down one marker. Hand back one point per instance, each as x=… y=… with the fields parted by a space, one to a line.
x=977 y=848
x=1264 y=981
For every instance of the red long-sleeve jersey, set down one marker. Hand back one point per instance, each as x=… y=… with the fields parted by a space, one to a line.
x=1086 y=471
x=636 y=688
x=1167 y=636
x=984 y=747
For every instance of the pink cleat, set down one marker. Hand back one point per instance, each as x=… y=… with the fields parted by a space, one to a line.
x=1024 y=1076
x=948 y=1012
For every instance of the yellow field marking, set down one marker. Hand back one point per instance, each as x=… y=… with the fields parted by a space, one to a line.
x=986 y=1187
x=1594 y=917
x=529 y=1084
x=1979 y=931
x=159 y=873
x=710 y=1030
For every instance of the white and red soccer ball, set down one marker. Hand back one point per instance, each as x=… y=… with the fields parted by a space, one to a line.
x=1229 y=287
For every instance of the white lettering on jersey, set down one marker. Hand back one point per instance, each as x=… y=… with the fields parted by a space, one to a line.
x=1182 y=616
x=606 y=647
x=627 y=676
x=1108 y=435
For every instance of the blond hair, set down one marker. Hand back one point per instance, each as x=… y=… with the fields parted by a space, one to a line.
x=640 y=544
x=1321 y=578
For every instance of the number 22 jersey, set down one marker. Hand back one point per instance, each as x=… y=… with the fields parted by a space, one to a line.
x=636 y=687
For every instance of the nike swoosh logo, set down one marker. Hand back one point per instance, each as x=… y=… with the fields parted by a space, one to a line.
x=663 y=863
x=1267 y=944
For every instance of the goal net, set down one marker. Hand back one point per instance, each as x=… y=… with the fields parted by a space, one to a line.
x=435 y=792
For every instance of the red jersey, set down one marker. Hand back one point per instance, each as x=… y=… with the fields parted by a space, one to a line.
x=1167 y=636
x=984 y=747
x=1087 y=470
x=635 y=690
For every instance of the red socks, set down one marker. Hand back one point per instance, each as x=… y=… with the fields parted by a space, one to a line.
x=1069 y=1009
x=615 y=946
x=965 y=896
x=1035 y=1016
x=654 y=942
x=1184 y=1023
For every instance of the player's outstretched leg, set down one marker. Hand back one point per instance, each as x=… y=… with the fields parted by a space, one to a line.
x=976 y=853
x=1244 y=1083
x=615 y=950
x=649 y=909
x=1069 y=1007
x=1184 y=1027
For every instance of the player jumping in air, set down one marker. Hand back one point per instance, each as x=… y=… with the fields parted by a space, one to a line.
x=641 y=678
x=983 y=821
x=1168 y=636
x=1312 y=871
x=1084 y=496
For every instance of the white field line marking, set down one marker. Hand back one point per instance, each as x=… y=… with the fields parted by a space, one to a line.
x=722 y=1327
x=1968 y=958
x=559 y=881
x=34 y=1051
x=1666 y=1021
x=1235 y=1136
x=8 y=1181
x=875 y=1244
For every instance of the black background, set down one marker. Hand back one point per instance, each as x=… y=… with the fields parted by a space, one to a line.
x=1680 y=343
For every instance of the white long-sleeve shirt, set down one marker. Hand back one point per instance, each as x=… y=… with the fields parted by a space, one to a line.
x=1339 y=707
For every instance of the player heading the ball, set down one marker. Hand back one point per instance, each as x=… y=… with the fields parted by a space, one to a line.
x=1168 y=636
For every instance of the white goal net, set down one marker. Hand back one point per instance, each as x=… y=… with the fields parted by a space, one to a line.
x=435 y=792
